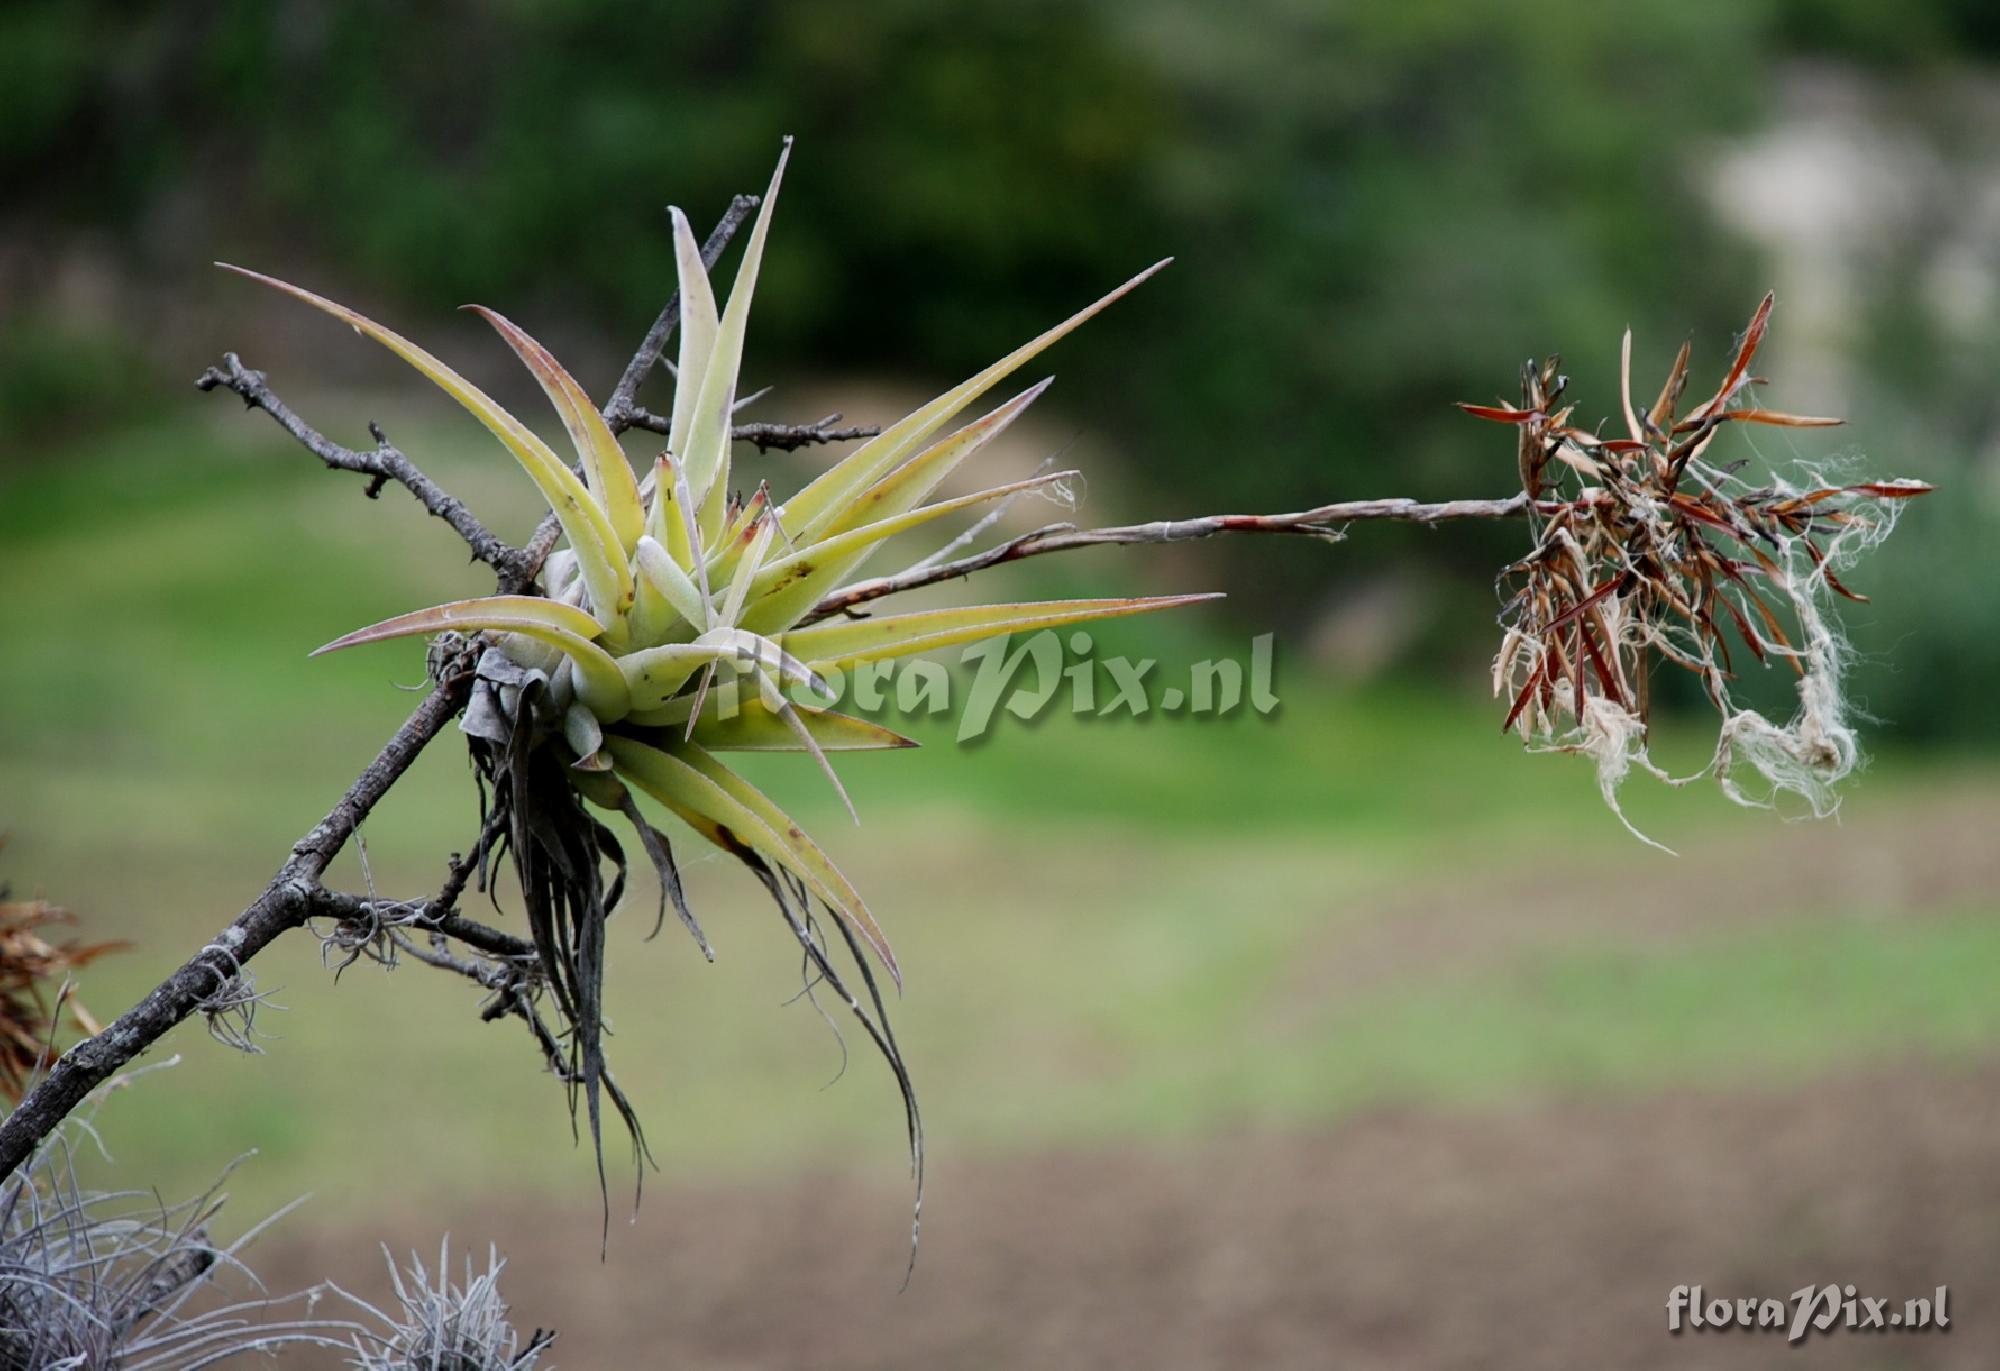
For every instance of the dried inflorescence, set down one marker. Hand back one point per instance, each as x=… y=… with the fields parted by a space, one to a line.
x=1645 y=550
x=35 y=990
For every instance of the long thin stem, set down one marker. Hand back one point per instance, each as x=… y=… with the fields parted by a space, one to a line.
x=1324 y=522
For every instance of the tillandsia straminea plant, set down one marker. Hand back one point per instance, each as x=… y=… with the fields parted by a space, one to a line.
x=689 y=618
x=604 y=682
x=1647 y=550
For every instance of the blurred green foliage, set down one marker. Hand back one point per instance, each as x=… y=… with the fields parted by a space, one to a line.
x=51 y=369
x=1377 y=208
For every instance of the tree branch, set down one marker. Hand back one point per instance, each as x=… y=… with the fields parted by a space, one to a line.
x=386 y=463
x=435 y=915
x=792 y=437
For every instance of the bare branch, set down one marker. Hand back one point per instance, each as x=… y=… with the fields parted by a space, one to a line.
x=638 y=416
x=487 y=975
x=490 y=941
x=384 y=464
x=1323 y=522
x=434 y=915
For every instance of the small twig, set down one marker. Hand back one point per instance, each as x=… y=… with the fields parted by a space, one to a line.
x=638 y=416
x=434 y=915
x=490 y=941
x=792 y=437
x=493 y=976
x=1323 y=522
x=462 y=866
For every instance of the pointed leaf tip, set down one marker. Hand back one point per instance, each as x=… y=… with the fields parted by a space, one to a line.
x=609 y=473
x=824 y=500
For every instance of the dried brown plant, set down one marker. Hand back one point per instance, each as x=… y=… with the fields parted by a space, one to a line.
x=35 y=989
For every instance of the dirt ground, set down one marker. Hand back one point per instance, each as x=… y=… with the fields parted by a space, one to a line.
x=1534 y=1238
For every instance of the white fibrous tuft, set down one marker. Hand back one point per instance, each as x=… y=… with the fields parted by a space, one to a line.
x=1789 y=621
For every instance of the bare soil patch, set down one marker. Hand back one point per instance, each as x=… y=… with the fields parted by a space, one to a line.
x=1533 y=1237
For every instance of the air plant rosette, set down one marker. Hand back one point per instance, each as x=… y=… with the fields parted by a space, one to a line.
x=683 y=622
x=1646 y=551
x=121 y=1278
x=461 y=1325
